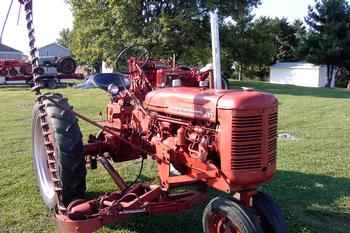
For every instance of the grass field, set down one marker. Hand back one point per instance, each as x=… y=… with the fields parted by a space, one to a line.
x=312 y=184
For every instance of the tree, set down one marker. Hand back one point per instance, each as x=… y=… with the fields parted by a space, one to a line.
x=328 y=41
x=65 y=38
x=289 y=38
x=255 y=45
x=104 y=27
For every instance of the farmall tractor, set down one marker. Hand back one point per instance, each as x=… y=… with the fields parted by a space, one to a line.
x=198 y=135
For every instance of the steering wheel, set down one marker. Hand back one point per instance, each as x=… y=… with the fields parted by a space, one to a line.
x=139 y=52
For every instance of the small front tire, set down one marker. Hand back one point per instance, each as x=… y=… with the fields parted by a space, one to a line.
x=271 y=217
x=227 y=216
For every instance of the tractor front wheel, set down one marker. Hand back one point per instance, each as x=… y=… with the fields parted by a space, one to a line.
x=270 y=214
x=227 y=216
x=58 y=152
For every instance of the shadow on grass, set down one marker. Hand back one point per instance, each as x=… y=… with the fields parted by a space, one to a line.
x=311 y=200
x=307 y=201
x=292 y=90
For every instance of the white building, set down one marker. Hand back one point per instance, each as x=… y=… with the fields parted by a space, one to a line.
x=299 y=74
x=8 y=53
x=54 y=50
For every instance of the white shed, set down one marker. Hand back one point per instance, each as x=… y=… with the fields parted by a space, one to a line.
x=54 y=50
x=299 y=74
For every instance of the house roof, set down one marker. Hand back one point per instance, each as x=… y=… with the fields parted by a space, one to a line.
x=5 y=48
x=54 y=44
x=294 y=65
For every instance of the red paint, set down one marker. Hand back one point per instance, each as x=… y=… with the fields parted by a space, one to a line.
x=222 y=139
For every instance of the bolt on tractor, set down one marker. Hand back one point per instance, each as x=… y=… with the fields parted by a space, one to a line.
x=199 y=135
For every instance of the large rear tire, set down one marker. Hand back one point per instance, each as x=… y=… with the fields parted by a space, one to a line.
x=60 y=174
x=226 y=216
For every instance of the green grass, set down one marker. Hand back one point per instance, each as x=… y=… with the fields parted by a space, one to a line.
x=312 y=184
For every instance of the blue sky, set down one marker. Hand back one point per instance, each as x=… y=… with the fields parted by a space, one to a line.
x=51 y=16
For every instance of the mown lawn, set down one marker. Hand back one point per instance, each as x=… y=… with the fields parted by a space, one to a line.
x=312 y=184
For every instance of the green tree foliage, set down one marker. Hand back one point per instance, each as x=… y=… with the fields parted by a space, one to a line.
x=256 y=44
x=251 y=44
x=104 y=27
x=289 y=38
x=328 y=41
x=65 y=38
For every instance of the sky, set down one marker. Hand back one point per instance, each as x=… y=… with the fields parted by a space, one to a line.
x=51 y=16
x=291 y=9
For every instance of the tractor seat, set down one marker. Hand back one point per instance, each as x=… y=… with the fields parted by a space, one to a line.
x=103 y=80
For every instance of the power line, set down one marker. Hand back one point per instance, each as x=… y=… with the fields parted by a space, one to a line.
x=5 y=22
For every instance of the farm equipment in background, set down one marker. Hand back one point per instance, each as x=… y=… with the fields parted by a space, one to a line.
x=52 y=70
x=199 y=136
x=15 y=71
x=55 y=69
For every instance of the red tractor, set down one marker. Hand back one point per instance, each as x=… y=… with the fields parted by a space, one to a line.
x=199 y=136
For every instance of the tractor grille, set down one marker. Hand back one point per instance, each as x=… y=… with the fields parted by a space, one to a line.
x=253 y=137
x=272 y=139
x=246 y=142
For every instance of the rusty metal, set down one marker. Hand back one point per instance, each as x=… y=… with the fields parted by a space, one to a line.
x=113 y=173
x=94 y=123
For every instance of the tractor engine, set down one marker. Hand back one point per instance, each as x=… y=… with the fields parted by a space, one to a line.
x=234 y=130
x=226 y=138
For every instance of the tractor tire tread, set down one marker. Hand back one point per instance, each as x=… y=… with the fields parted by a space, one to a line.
x=235 y=212
x=69 y=149
x=270 y=213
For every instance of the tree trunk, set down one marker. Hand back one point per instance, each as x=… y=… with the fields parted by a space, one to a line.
x=331 y=71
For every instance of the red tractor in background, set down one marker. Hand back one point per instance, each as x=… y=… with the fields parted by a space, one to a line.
x=198 y=135
x=53 y=70
x=13 y=71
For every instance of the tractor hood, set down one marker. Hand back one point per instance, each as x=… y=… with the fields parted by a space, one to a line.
x=196 y=103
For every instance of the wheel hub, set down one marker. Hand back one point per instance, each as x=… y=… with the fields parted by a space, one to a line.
x=221 y=224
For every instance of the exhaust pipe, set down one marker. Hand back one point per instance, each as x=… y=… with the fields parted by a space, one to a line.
x=215 y=41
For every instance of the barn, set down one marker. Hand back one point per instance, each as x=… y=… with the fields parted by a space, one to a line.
x=299 y=74
x=54 y=50
x=9 y=53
